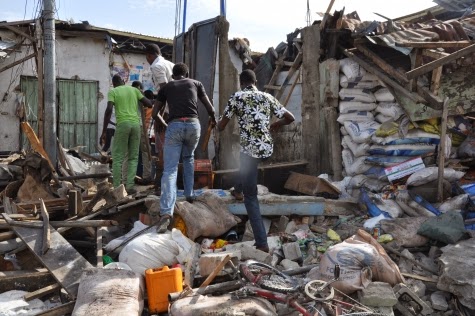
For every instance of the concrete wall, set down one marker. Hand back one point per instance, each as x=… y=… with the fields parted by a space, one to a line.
x=78 y=58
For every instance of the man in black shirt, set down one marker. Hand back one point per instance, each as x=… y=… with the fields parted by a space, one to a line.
x=182 y=136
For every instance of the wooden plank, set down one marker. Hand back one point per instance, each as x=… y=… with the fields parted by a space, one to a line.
x=435 y=80
x=292 y=70
x=72 y=203
x=59 y=310
x=7 y=236
x=20 y=32
x=400 y=89
x=57 y=224
x=99 y=251
x=414 y=73
x=45 y=243
x=17 y=62
x=434 y=53
x=278 y=67
x=416 y=61
x=62 y=260
x=454 y=44
x=383 y=64
x=432 y=100
x=41 y=292
x=441 y=162
x=215 y=272
x=270 y=87
x=286 y=101
x=325 y=17
x=24 y=280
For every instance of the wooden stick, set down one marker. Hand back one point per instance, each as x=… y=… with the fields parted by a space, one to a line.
x=41 y=292
x=440 y=180
x=46 y=232
x=215 y=272
x=19 y=61
x=325 y=17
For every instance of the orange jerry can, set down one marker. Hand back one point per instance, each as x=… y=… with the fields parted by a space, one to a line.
x=161 y=282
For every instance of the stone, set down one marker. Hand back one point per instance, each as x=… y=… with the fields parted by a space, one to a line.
x=417 y=286
x=291 y=227
x=377 y=294
x=289 y=264
x=438 y=301
x=274 y=243
x=249 y=235
x=408 y=302
x=275 y=260
x=384 y=310
x=251 y=253
x=434 y=252
x=283 y=222
x=292 y=251
x=209 y=261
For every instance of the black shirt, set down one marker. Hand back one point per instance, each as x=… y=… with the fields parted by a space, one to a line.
x=182 y=97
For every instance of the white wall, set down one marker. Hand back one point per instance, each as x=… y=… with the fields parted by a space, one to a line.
x=79 y=58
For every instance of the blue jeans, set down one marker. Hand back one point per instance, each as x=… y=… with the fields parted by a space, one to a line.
x=181 y=139
x=248 y=185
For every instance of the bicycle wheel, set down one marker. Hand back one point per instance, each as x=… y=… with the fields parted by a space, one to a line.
x=314 y=290
x=365 y=314
x=267 y=277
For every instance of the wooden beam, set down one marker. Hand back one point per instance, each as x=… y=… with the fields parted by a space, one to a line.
x=19 y=61
x=432 y=100
x=41 y=292
x=441 y=162
x=24 y=280
x=20 y=32
x=455 y=44
x=383 y=64
x=325 y=17
x=416 y=61
x=5 y=24
x=434 y=53
x=435 y=81
x=400 y=89
x=414 y=73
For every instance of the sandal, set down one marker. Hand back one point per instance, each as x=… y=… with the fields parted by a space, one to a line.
x=237 y=195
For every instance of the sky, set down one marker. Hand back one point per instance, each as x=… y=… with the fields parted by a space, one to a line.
x=264 y=22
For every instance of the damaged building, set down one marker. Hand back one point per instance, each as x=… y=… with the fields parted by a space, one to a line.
x=367 y=200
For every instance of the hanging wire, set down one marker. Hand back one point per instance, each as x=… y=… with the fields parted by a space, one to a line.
x=308 y=17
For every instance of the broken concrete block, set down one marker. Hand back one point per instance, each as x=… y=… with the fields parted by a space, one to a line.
x=292 y=251
x=417 y=286
x=383 y=310
x=291 y=227
x=409 y=304
x=283 y=222
x=377 y=294
x=439 y=301
x=249 y=235
x=249 y=252
x=209 y=261
x=289 y=264
x=274 y=243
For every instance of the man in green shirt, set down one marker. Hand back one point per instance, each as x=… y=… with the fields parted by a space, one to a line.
x=125 y=146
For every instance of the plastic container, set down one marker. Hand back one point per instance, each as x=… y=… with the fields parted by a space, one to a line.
x=161 y=282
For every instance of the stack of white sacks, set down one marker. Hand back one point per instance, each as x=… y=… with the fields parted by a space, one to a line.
x=365 y=104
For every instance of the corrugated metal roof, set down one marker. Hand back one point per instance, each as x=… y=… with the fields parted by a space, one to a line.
x=455 y=5
x=6 y=44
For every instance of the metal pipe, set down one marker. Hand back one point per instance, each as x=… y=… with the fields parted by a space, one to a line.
x=50 y=109
x=222 y=8
x=184 y=15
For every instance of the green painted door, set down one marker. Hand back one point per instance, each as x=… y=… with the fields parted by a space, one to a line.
x=77 y=111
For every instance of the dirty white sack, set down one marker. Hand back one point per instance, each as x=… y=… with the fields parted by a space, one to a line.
x=361 y=132
x=430 y=174
x=348 y=106
x=114 y=243
x=390 y=109
x=380 y=118
x=357 y=149
x=351 y=69
x=357 y=95
x=456 y=203
x=109 y=292
x=383 y=95
x=359 y=116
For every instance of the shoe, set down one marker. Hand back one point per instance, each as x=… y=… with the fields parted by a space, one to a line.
x=190 y=199
x=162 y=225
x=143 y=181
x=263 y=248
x=237 y=195
x=131 y=191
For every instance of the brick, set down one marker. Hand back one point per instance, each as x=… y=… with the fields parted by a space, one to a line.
x=292 y=251
x=408 y=301
x=438 y=301
x=209 y=261
x=289 y=264
x=377 y=294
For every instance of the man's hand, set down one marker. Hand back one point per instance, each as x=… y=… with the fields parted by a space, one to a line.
x=102 y=140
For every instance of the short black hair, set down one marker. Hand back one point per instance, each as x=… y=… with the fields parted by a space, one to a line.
x=153 y=49
x=117 y=80
x=137 y=84
x=149 y=94
x=247 y=77
x=180 y=69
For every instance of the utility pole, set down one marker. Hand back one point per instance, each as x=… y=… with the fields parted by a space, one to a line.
x=50 y=109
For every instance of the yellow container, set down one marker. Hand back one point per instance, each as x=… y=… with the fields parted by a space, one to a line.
x=161 y=282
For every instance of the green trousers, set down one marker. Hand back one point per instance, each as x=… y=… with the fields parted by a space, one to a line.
x=125 y=149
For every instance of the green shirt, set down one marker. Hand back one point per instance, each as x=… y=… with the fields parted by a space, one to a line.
x=125 y=103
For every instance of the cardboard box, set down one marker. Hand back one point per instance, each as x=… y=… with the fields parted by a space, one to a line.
x=311 y=185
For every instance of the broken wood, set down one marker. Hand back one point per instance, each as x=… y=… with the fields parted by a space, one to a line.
x=223 y=287
x=414 y=73
x=41 y=292
x=435 y=80
x=441 y=153
x=432 y=100
x=435 y=54
x=216 y=270
x=46 y=233
x=400 y=89
x=20 y=32
x=62 y=260
x=7 y=236
x=28 y=281
x=454 y=44
x=19 y=61
x=383 y=64
x=73 y=203
x=327 y=13
x=419 y=277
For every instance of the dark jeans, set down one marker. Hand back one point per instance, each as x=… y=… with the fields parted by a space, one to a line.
x=248 y=186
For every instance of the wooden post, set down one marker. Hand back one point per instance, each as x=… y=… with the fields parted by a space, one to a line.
x=441 y=162
x=72 y=203
x=39 y=62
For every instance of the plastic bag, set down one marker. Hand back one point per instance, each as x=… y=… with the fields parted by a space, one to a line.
x=357 y=167
x=456 y=203
x=383 y=118
x=367 y=81
x=414 y=136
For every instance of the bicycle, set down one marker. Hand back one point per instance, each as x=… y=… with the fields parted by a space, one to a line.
x=266 y=281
